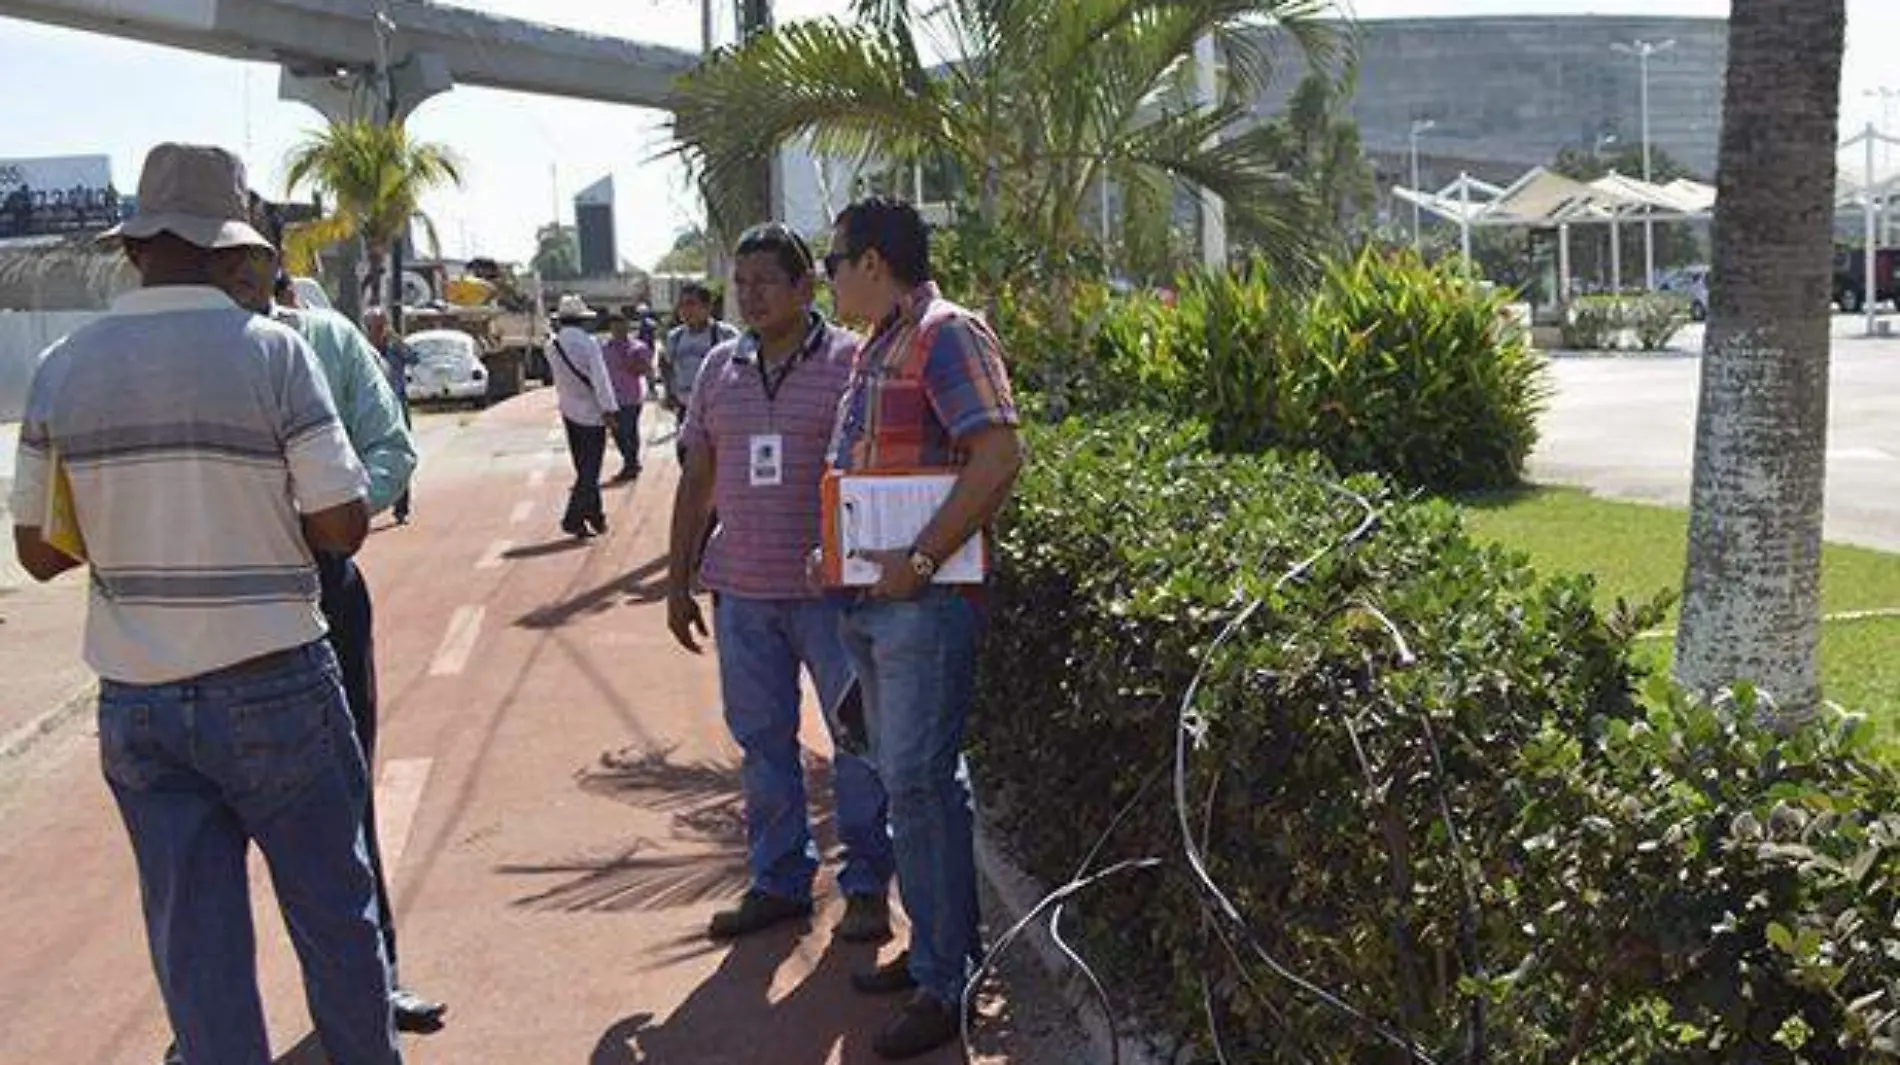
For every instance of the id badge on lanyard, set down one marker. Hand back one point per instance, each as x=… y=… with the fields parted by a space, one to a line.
x=766 y=460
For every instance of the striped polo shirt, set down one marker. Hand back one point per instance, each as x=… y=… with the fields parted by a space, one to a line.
x=194 y=433
x=765 y=532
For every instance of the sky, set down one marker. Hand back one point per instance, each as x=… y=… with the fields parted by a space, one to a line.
x=68 y=93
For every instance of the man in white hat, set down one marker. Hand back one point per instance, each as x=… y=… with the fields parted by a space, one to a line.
x=206 y=466
x=586 y=397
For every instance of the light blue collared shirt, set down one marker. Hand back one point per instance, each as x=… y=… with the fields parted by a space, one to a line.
x=368 y=408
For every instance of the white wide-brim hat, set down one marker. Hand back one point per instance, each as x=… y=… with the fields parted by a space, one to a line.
x=196 y=193
x=572 y=306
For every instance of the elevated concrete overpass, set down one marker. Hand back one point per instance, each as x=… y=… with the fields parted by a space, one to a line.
x=430 y=45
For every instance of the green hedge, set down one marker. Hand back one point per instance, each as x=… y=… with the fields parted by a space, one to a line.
x=1605 y=842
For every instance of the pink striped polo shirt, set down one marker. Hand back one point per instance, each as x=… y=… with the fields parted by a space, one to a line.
x=765 y=532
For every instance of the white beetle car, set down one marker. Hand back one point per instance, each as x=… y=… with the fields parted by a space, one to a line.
x=447 y=367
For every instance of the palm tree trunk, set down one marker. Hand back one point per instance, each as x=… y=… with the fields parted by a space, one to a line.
x=1751 y=594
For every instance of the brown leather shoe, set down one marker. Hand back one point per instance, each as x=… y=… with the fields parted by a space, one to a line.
x=867 y=919
x=756 y=912
x=890 y=978
x=924 y=1024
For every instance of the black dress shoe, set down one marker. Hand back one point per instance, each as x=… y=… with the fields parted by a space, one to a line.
x=924 y=1024
x=892 y=977
x=867 y=919
x=577 y=528
x=599 y=524
x=756 y=912
x=415 y=1013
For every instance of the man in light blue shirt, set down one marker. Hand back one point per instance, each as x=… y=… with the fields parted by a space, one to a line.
x=371 y=413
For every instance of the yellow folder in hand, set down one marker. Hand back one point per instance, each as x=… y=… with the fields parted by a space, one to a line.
x=61 y=530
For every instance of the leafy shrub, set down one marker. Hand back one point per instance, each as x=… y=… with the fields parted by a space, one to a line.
x=1389 y=366
x=1656 y=319
x=1599 y=323
x=1130 y=545
x=1593 y=323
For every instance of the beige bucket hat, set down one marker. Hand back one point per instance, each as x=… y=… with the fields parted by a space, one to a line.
x=195 y=192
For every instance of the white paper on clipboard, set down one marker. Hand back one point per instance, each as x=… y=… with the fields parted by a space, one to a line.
x=885 y=513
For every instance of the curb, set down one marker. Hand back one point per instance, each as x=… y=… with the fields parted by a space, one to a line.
x=24 y=738
x=1018 y=892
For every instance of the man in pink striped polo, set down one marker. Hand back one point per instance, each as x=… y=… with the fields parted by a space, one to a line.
x=754 y=444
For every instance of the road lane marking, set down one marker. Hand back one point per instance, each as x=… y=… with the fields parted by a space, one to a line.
x=398 y=796
x=523 y=511
x=493 y=556
x=458 y=642
x=537 y=477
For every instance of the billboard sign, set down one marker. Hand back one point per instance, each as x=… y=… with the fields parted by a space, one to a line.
x=72 y=193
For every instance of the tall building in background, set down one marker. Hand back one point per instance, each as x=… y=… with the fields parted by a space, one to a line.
x=594 y=219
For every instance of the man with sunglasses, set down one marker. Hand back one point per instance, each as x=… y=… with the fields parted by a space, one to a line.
x=755 y=437
x=928 y=392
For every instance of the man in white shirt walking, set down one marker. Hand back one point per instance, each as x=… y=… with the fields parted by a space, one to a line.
x=586 y=396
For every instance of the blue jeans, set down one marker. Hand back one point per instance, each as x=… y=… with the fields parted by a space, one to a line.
x=916 y=662
x=201 y=768
x=761 y=644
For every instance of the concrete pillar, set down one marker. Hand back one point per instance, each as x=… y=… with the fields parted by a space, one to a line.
x=353 y=94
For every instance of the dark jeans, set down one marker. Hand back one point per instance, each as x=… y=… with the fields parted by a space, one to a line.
x=626 y=429
x=347 y=609
x=916 y=666
x=587 y=446
x=401 y=506
x=200 y=769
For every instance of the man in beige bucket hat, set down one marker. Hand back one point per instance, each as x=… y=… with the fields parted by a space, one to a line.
x=207 y=464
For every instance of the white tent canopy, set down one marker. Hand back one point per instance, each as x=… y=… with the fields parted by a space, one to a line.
x=1545 y=199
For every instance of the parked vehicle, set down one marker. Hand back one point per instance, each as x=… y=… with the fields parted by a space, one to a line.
x=1692 y=284
x=1850 y=269
x=448 y=367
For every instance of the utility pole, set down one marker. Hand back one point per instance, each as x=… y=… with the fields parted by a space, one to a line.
x=1643 y=50
x=1213 y=211
x=1419 y=127
x=386 y=112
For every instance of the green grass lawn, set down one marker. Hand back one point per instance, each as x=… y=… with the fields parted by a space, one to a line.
x=1635 y=551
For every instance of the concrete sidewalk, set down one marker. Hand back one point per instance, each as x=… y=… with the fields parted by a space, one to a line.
x=560 y=809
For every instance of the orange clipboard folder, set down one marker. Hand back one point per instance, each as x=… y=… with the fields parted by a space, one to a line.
x=886 y=510
x=61 y=528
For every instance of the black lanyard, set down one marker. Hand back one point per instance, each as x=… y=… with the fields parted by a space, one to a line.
x=773 y=381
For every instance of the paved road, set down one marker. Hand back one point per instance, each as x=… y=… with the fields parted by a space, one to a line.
x=560 y=806
x=1625 y=427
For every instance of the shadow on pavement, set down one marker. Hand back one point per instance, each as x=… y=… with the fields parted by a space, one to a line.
x=734 y=1015
x=627 y=589
x=708 y=818
x=551 y=547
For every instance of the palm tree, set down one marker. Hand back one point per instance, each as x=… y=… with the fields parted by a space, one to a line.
x=1751 y=595
x=1035 y=102
x=376 y=177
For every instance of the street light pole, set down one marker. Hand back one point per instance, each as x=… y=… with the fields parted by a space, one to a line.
x=1887 y=98
x=1643 y=50
x=1419 y=126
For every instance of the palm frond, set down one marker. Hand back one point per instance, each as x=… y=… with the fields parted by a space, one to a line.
x=304 y=241
x=1240 y=169
x=844 y=87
